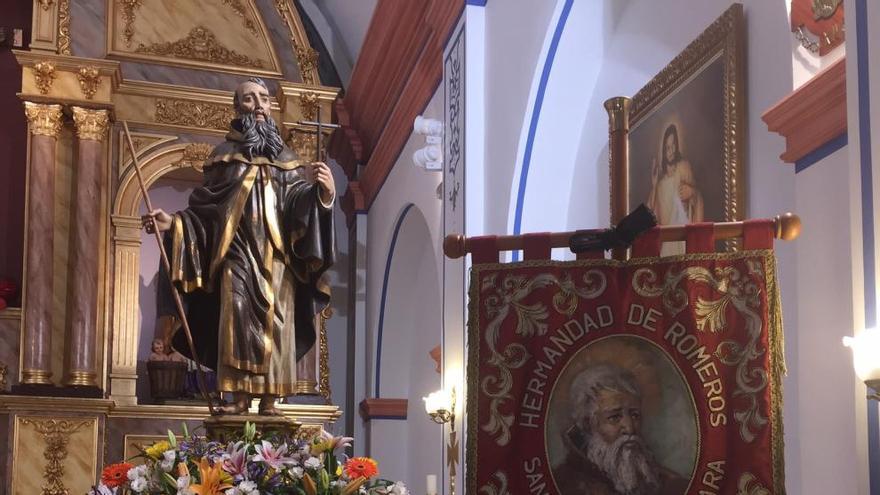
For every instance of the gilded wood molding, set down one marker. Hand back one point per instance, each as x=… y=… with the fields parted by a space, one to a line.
x=43 y=119
x=812 y=115
x=89 y=80
x=90 y=124
x=200 y=44
x=195 y=43
x=306 y=56
x=65 y=79
x=44 y=76
x=56 y=434
x=64 y=27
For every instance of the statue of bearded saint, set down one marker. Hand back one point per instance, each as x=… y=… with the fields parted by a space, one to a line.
x=250 y=255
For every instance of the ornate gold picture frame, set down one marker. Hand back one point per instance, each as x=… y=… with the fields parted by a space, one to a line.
x=686 y=137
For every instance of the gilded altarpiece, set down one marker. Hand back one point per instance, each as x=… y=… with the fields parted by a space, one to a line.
x=175 y=123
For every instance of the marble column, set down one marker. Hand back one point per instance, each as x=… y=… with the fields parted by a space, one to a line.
x=91 y=127
x=44 y=124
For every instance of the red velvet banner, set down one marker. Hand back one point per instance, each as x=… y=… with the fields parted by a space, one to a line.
x=651 y=376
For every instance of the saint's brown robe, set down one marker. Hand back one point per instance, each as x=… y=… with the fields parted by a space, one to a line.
x=250 y=255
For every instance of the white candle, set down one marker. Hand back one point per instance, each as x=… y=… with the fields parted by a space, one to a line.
x=432 y=484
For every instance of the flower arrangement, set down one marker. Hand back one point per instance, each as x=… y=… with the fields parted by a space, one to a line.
x=247 y=466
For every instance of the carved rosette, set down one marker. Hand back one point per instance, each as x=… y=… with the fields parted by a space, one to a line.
x=194 y=155
x=56 y=434
x=44 y=75
x=43 y=119
x=90 y=124
x=89 y=80
x=200 y=44
x=193 y=113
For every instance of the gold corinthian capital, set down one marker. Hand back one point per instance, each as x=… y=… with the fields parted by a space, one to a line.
x=43 y=119
x=90 y=124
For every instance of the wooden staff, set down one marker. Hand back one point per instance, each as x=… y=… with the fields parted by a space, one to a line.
x=788 y=227
x=200 y=374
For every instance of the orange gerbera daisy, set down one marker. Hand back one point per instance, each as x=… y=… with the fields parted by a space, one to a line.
x=361 y=467
x=115 y=474
x=211 y=479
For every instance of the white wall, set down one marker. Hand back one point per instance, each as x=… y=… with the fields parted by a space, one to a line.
x=824 y=437
x=515 y=33
x=412 y=324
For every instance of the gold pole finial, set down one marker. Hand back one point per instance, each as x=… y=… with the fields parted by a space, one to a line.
x=618 y=113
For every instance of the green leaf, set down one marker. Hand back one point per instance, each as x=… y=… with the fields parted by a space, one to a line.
x=185 y=431
x=172 y=439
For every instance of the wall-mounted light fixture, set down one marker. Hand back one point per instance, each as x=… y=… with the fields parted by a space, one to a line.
x=866 y=359
x=440 y=406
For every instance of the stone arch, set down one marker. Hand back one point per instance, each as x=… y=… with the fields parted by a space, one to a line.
x=125 y=247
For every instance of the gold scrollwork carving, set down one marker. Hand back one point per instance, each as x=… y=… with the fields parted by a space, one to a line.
x=56 y=434
x=89 y=80
x=90 y=124
x=128 y=15
x=305 y=145
x=194 y=113
x=306 y=57
x=64 y=27
x=239 y=9
x=194 y=155
x=46 y=4
x=44 y=75
x=43 y=119
x=200 y=44
x=324 y=355
x=308 y=105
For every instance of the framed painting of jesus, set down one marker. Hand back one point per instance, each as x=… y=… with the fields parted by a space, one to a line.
x=686 y=133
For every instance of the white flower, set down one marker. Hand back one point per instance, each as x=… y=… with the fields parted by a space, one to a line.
x=296 y=472
x=248 y=488
x=183 y=486
x=139 y=484
x=312 y=463
x=399 y=488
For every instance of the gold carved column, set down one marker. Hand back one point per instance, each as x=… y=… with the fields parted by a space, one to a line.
x=44 y=124
x=91 y=127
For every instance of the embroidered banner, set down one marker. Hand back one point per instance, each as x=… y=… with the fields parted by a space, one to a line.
x=651 y=376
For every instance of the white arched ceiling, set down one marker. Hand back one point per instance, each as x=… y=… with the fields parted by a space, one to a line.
x=563 y=80
x=343 y=26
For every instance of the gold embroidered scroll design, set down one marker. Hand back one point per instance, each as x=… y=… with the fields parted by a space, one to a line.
x=498 y=485
x=734 y=291
x=510 y=296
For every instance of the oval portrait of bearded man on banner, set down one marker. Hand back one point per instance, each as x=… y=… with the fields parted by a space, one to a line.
x=622 y=421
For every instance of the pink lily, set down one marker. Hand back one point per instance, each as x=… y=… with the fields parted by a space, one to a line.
x=274 y=458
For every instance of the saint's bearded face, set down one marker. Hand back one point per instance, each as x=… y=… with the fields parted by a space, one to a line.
x=616 y=445
x=261 y=136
